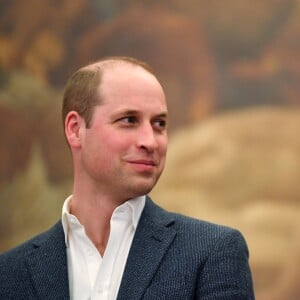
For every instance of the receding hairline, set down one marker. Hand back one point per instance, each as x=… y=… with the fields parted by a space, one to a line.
x=111 y=61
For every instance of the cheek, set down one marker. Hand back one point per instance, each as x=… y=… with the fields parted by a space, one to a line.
x=115 y=147
x=163 y=146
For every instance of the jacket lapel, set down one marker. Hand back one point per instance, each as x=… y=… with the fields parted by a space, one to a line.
x=47 y=264
x=151 y=242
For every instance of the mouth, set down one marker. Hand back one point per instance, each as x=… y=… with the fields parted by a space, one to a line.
x=144 y=162
x=143 y=165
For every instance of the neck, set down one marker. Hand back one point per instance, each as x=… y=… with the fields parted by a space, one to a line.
x=94 y=212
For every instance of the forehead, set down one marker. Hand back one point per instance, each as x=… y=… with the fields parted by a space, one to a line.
x=129 y=81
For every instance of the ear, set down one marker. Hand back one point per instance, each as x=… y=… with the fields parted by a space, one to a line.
x=73 y=124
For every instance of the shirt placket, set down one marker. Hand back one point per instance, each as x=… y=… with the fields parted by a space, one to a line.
x=119 y=225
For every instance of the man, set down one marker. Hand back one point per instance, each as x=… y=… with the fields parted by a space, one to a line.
x=113 y=242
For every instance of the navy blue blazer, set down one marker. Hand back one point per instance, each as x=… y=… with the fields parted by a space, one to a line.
x=172 y=257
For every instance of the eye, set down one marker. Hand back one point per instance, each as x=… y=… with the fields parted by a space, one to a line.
x=128 y=120
x=160 y=124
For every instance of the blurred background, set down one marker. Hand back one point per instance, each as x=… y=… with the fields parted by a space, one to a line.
x=231 y=72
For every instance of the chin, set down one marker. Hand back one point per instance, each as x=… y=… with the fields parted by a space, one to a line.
x=141 y=189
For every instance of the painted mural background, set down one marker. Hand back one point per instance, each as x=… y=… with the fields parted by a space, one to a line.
x=231 y=71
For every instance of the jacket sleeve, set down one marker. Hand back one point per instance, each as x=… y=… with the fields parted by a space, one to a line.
x=226 y=273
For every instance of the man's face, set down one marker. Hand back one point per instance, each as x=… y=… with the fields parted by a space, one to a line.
x=123 y=152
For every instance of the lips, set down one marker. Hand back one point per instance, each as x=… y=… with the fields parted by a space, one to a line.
x=144 y=162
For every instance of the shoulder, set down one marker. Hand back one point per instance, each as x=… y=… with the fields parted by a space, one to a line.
x=15 y=254
x=211 y=237
x=203 y=234
x=222 y=254
x=36 y=259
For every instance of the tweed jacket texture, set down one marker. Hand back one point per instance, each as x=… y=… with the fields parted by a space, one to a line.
x=172 y=257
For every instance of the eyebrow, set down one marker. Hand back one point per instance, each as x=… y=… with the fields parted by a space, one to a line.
x=163 y=114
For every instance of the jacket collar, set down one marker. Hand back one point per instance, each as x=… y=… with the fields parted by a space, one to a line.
x=152 y=239
x=47 y=264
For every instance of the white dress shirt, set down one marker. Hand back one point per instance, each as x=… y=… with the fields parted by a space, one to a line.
x=90 y=275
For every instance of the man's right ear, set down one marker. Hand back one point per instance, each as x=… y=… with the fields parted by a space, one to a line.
x=73 y=125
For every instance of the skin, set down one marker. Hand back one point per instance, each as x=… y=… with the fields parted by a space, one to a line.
x=122 y=154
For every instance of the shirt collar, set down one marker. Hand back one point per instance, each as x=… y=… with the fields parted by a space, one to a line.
x=136 y=206
x=65 y=216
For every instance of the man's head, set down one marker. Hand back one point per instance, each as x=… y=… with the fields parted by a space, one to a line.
x=115 y=117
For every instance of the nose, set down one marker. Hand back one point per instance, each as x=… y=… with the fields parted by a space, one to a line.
x=147 y=138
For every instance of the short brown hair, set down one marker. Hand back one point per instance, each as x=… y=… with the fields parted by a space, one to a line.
x=81 y=89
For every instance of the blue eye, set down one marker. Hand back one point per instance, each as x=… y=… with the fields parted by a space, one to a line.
x=129 y=119
x=160 y=124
